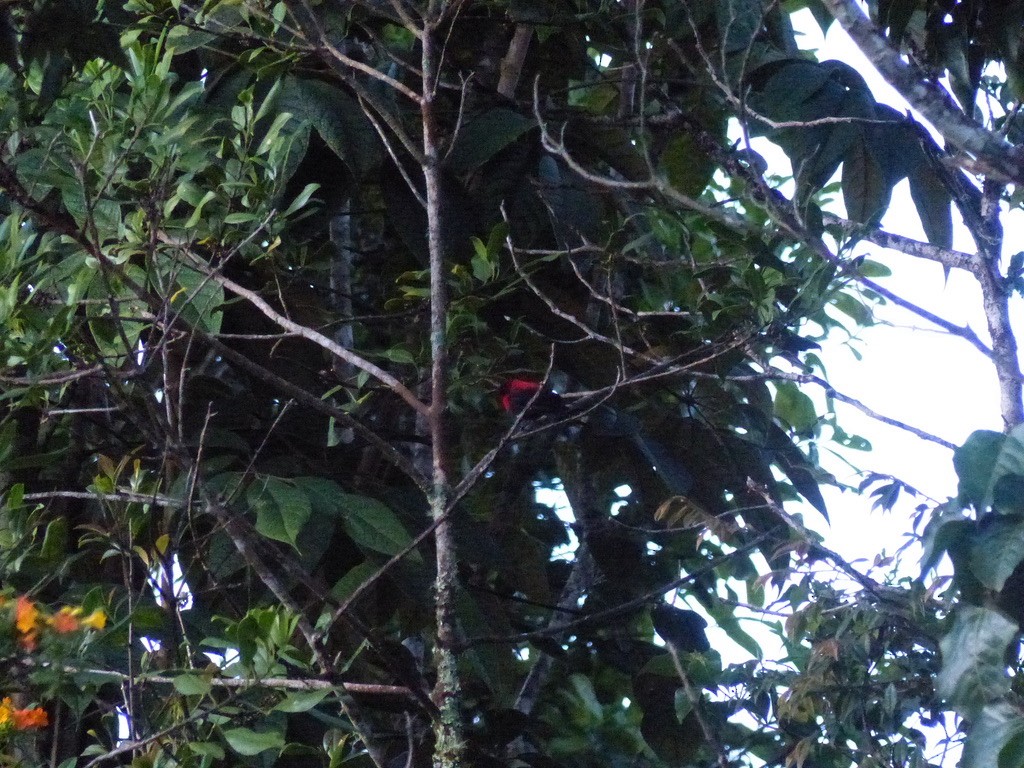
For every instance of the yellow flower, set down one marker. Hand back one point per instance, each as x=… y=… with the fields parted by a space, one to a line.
x=95 y=620
x=6 y=712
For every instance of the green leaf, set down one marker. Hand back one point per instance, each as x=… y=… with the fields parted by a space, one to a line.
x=240 y=217
x=974 y=463
x=865 y=190
x=683 y=705
x=302 y=701
x=352 y=580
x=207 y=749
x=997 y=550
x=933 y=202
x=400 y=355
x=1008 y=472
x=273 y=133
x=1011 y=755
x=784 y=86
x=991 y=731
x=484 y=136
x=872 y=268
x=945 y=532
x=248 y=742
x=183 y=39
x=598 y=98
x=281 y=508
x=373 y=525
x=798 y=468
x=337 y=117
x=794 y=407
x=687 y=167
x=55 y=540
x=199 y=300
x=483 y=267
x=973 y=658
x=301 y=199
x=854 y=308
x=192 y=685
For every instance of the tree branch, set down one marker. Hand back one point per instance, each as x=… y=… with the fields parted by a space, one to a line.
x=450 y=745
x=310 y=335
x=990 y=155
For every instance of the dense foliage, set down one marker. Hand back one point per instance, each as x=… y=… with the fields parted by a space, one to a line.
x=264 y=267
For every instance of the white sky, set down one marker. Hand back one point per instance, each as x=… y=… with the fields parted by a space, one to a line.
x=907 y=370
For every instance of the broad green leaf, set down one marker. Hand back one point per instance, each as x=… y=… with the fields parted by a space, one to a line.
x=782 y=87
x=991 y=731
x=192 y=685
x=798 y=468
x=865 y=190
x=300 y=199
x=198 y=299
x=854 y=308
x=1011 y=755
x=184 y=39
x=323 y=494
x=599 y=98
x=400 y=355
x=945 y=531
x=726 y=621
x=302 y=701
x=352 y=580
x=241 y=217
x=683 y=705
x=975 y=463
x=997 y=549
x=373 y=525
x=281 y=508
x=484 y=136
x=974 y=658
x=337 y=117
x=872 y=268
x=246 y=741
x=794 y=407
x=687 y=167
x=932 y=201
x=55 y=540
x=1008 y=473
x=274 y=131
x=207 y=749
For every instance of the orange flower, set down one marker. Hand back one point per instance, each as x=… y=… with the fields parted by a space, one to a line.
x=26 y=719
x=26 y=615
x=65 y=620
x=95 y=620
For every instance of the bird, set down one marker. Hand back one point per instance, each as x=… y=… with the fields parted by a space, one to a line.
x=520 y=394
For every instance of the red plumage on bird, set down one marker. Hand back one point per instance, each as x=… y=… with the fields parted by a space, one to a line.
x=516 y=395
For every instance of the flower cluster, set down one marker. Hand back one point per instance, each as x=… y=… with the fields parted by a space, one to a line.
x=31 y=621
x=24 y=624
x=13 y=719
